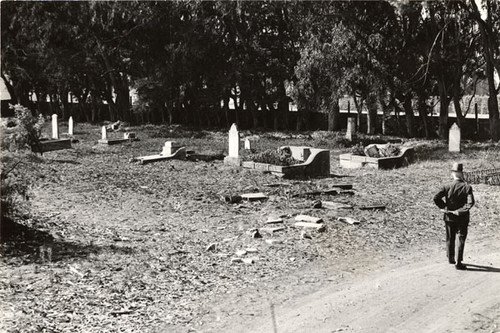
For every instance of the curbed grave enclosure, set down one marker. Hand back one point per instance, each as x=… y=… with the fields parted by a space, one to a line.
x=405 y=157
x=316 y=163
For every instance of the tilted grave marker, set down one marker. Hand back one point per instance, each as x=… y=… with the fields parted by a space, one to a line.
x=234 y=147
x=55 y=127
x=454 y=139
x=70 y=126
x=351 y=129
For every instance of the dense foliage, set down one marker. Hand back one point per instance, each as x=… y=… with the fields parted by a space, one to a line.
x=193 y=62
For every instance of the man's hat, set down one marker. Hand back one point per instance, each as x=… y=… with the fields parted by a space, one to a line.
x=457 y=167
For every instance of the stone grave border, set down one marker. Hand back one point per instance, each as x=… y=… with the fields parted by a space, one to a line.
x=316 y=163
x=55 y=143
x=405 y=157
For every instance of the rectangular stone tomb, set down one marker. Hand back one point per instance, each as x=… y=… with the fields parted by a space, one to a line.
x=50 y=145
x=316 y=163
x=404 y=158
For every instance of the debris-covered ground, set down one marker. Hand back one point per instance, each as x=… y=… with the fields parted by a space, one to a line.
x=115 y=246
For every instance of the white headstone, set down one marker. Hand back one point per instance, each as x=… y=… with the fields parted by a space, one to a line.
x=454 y=138
x=248 y=144
x=104 y=135
x=70 y=126
x=351 y=129
x=170 y=148
x=55 y=127
x=234 y=142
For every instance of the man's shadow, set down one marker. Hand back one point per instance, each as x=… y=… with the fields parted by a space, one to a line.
x=478 y=268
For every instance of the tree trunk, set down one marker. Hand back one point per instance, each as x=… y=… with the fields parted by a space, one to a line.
x=372 y=115
x=443 y=110
x=410 y=119
x=487 y=38
x=334 y=116
x=422 y=112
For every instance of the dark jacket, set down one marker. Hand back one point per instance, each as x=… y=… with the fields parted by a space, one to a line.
x=457 y=197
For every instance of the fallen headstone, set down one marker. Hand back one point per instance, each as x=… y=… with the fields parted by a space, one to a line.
x=274 y=241
x=251 y=250
x=272 y=220
x=307 y=218
x=247 y=261
x=374 y=207
x=254 y=196
x=318 y=226
x=240 y=253
x=272 y=230
x=335 y=205
x=348 y=220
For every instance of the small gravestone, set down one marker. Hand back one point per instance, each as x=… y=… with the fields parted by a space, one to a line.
x=170 y=148
x=454 y=139
x=234 y=147
x=55 y=127
x=129 y=135
x=70 y=126
x=351 y=129
x=248 y=144
x=104 y=133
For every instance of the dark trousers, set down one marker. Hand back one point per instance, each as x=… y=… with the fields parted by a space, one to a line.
x=454 y=230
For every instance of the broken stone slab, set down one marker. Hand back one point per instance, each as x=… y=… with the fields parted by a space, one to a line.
x=274 y=241
x=240 y=253
x=273 y=220
x=305 y=235
x=373 y=207
x=272 y=230
x=254 y=196
x=335 y=205
x=247 y=261
x=254 y=233
x=180 y=154
x=211 y=247
x=316 y=204
x=236 y=260
x=251 y=250
x=307 y=218
x=318 y=226
x=348 y=220
x=231 y=198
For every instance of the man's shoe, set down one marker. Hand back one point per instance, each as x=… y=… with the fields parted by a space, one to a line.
x=460 y=266
x=452 y=262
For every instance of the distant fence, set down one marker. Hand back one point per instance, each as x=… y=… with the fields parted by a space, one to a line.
x=490 y=177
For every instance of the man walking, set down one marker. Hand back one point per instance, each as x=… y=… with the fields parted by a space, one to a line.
x=458 y=200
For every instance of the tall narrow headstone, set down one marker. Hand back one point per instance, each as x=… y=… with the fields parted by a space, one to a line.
x=70 y=126
x=234 y=142
x=104 y=135
x=351 y=128
x=454 y=139
x=248 y=144
x=234 y=147
x=55 y=127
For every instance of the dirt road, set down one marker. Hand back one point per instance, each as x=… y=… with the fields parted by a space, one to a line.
x=396 y=295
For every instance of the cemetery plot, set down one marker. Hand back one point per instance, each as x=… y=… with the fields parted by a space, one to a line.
x=46 y=145
x=312 y=162
x=372 y=158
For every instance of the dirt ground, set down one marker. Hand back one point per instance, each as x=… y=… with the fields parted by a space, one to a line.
x=114 y=246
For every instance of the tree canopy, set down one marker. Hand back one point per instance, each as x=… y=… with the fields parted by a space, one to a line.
x=189 y=61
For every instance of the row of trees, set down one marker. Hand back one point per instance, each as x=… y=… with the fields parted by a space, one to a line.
x=188 y=60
